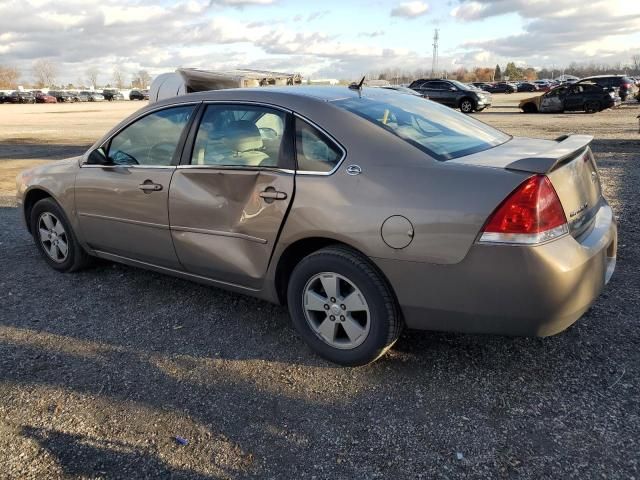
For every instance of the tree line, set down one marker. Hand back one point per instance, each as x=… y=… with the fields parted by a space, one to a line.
x=46 y=74
x=511 y=72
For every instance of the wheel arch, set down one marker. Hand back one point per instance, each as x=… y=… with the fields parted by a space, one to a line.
x=32 y=197
x=299 y=249
x=473 y=102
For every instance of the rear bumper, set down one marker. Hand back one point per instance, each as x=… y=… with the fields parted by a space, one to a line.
x=510 y=290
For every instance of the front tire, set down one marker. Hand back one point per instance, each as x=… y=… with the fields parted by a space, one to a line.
x=467 y=105
x=343 y=307
x=55 y=238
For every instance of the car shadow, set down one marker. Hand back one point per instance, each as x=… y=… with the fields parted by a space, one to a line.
x=85 y=457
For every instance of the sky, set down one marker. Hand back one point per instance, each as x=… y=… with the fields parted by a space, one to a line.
x=320 y=39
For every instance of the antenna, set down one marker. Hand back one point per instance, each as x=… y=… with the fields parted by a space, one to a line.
x=357 y=86
x=434 y=64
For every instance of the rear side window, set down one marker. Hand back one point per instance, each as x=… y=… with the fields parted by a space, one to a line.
x=240 y=136
x=315 y=152
x=437 y=130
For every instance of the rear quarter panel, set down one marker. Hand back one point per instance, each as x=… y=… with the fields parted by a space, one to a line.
x=446 y=203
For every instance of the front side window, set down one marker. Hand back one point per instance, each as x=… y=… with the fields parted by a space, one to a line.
x=152 y=140
x=240 y=135
x=314 y=151
x=435 y=129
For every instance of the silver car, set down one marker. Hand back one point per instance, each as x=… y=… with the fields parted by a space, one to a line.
x=364 y=210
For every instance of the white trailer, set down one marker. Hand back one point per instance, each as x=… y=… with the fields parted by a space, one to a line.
x=188 y=80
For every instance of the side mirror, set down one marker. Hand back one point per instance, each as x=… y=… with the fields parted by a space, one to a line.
x=98 y=157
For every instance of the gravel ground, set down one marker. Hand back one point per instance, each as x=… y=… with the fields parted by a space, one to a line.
x=101 y=370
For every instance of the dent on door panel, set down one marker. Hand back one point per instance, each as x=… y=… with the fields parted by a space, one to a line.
x=221 y=227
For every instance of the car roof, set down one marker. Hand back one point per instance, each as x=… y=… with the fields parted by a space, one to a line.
x=314 y=94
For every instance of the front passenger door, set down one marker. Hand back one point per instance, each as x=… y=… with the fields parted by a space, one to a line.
x=122 y=200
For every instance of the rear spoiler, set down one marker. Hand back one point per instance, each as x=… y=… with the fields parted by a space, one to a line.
x=568 y=147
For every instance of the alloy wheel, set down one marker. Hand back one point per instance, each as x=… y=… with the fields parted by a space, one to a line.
x=53 y=237
x=336 y=310
x=466 y=106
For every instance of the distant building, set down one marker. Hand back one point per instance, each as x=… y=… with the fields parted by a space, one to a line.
x=323 y=81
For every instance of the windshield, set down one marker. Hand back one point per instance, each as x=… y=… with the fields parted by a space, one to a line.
x=435 y=129
x=460 y=85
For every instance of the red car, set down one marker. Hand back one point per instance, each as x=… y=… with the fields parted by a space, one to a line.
x=44 y=98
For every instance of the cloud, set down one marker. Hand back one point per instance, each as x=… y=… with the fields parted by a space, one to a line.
x=410 y=10
x=470 y=10
x=316 y=15
x=376 y=33
x=560 y=31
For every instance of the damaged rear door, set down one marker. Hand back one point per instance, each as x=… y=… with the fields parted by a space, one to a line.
x=231 y=194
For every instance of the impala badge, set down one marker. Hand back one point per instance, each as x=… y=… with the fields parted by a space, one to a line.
x=354 y=170
x=578 y=210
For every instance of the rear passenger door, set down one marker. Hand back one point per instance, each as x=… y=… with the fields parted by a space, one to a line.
x=231 y=193
x=435 y=90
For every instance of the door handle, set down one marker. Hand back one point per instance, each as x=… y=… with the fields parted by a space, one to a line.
x=148 y=186
x=270 y=194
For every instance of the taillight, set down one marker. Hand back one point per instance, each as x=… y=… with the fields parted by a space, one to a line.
x=626 y=85
x=531 y=214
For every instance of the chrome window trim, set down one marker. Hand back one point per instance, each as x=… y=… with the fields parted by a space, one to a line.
x=286 y=110
x=330 y=137
x=248 y=103
x=134 y=120
x=145 y=167
x=236 y=168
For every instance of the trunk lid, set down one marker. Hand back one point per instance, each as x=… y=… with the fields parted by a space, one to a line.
x=567 y=161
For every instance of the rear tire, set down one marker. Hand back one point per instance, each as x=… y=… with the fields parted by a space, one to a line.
x=343 y=307
x=55 y=238
x=592 y=107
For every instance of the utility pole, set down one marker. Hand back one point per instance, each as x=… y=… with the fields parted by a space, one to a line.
x=434 y=64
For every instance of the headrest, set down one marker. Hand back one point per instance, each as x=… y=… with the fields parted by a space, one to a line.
x=242 y=136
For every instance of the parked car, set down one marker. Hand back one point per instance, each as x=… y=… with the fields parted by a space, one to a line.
x=501 y=87
x=42 y=97
x=624 y=85
x=543 y=85
x=588 y=97
x=527 y=87
x=94 y=96
x=453 y=94
x=4 y=97
x=139 y=95
x=405 y=213
x=79 y=97
x=21 y=97
x=112 y=94
x=61 y=96
x=482 y=85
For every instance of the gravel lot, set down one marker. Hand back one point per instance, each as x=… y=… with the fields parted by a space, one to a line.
x=101 y=370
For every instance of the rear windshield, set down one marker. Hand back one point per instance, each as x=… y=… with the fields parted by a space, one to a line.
x=439 y=131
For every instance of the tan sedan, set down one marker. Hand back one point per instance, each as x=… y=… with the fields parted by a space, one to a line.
x=364 y=210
